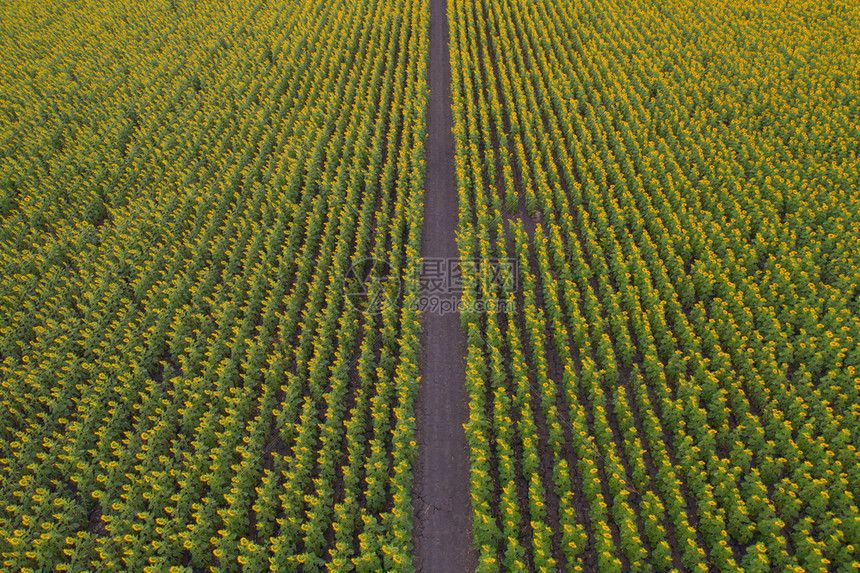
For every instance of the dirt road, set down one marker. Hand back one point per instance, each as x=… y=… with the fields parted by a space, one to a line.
x=443 y=512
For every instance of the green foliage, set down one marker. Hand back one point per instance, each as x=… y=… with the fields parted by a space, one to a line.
x=185 y=188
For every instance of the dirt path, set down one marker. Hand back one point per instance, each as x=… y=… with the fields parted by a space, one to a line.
x=440 y=497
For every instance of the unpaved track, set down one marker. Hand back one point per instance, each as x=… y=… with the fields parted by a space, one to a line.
x=440 y=496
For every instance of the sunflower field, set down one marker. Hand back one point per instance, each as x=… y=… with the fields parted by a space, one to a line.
x=211 y=227
x=677 y=387
x=184 y=187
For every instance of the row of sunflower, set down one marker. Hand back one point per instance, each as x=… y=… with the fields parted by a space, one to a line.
x=680 y=185
x=187 y=188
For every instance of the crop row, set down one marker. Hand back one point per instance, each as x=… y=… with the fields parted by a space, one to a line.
x=677 y=388
x=185 y=381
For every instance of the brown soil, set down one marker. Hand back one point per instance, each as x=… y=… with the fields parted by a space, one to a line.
x=442 y=531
